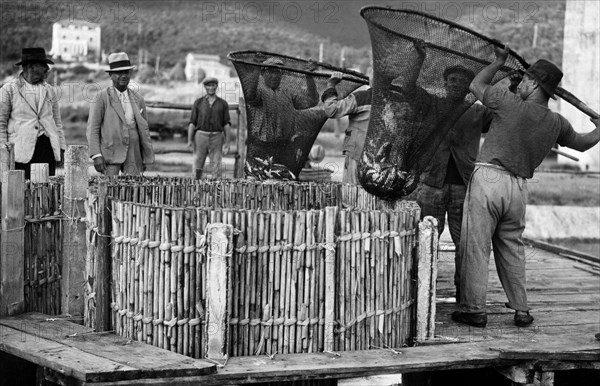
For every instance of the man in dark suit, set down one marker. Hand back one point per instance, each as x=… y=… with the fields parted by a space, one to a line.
x=117 y=129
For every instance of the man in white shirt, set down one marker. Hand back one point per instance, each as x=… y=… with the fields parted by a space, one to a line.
x=30 y=115
x=117 y=130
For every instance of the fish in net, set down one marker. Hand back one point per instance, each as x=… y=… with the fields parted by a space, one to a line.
x=411 y=109
x=284 y=110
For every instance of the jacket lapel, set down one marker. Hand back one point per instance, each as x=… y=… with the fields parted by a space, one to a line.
x=42 y=98
x=21 y=85
x=116 y=103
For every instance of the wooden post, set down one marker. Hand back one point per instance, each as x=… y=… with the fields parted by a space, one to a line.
x=39 y=173
x=7 y=158
x=426 y=278
x=74 y=243
x=242 y=135
x=218 y=283
x=12 y=252
x=330 y=214
x=103 y=260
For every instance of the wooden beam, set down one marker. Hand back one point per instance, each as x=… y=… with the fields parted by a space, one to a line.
x=330 y=279
x=348 y=364
x=74 y=242
x=103 y=260
x=7 y=158
x=218 y=288
x=426 y=278
x=179 y=106
x=242 y=135
x=12 y=247
x=39 y=173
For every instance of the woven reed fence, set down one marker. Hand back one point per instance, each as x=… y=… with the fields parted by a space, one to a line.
x=246 y=194
x=40 y=248
x=43 y=246
x=277 y=265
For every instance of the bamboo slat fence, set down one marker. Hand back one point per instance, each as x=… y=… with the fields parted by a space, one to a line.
x=278 y=297
x=43 y=247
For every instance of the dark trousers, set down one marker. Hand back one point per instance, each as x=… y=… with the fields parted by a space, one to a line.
x=43 y=154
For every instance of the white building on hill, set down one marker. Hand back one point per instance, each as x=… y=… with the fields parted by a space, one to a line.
x=210 y=65
x=76 y=40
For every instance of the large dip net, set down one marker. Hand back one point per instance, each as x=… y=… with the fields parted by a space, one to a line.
x=411 y=109
x=285 y=113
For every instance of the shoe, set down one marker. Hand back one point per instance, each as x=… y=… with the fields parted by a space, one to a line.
x=457 y=294
x=523 y=320
x=478 y=319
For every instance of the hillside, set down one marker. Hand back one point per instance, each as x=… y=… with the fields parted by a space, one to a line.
x=172 y=28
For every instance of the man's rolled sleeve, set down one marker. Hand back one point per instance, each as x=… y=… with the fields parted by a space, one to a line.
x=335 y=108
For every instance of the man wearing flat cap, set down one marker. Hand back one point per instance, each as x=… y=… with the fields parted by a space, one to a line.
x=275 y=119
x=117 y=130
x=208 y=131
x=522 y=132
x=30 y=115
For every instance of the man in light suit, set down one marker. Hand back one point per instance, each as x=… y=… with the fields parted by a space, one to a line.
x=117 y=128
x=30 y=115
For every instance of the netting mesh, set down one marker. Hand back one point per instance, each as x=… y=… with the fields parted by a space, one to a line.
x=285 y=113
x=412 y=109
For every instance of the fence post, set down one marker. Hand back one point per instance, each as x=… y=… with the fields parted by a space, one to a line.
x=12 y=240
x=103 y=260
x=330 y=215
x=218 y=287
x=40 y=173
x=240 y=159
x=7 y=158
x=426 y=277
x=74 y=242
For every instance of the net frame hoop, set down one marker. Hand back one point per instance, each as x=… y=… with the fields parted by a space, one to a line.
x=495 y=42
x=362 y=78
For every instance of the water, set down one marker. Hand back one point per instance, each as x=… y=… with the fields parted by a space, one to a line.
x=591 y=247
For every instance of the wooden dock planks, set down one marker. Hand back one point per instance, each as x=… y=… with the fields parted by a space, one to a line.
x=563 y=298
x=77 y=353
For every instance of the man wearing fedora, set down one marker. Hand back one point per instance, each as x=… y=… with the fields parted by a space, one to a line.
x=208 y=131
x=117 y=130
x=30 y=115
x=522 y=132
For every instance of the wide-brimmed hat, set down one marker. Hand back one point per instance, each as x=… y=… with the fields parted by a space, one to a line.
x=33 y=54
x=459 y=69
x=547 y=75
x=119 y=61
x=210 y=79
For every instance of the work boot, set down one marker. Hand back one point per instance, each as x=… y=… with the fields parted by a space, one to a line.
x=478 y=319
x=523 y=319
x=198 y=175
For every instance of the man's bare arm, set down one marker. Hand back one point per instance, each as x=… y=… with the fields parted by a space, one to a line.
x=483 y=79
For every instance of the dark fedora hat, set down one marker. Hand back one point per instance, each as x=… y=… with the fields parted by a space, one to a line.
x=33 y=54
x=546 y=74
x=460 y=70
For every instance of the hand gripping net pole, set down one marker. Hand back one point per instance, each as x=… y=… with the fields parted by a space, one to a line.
x=285 y=113
x=410 y=110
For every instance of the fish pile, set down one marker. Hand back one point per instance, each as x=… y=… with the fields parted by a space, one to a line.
x=386 y=180
x=264 y=169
